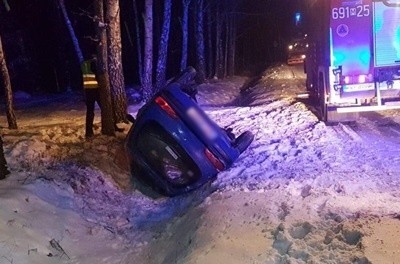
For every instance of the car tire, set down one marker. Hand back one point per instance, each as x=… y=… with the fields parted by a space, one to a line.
x=243 y=141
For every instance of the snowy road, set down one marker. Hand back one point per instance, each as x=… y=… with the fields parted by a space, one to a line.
x=303 y=192
x=383 y=127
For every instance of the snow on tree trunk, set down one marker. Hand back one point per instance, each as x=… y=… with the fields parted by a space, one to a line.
x=107 y=114
x=6 y=83
x=148 y=51
x=71 y=31
x=163 y=47
x=185 y=31
x=199 y=36
x=115 y=71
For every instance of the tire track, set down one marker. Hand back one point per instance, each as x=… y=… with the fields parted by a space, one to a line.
x=347 y=132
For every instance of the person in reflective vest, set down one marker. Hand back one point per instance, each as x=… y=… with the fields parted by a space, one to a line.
x=92 y=95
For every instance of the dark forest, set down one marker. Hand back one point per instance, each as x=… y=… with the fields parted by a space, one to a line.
x=41 y=58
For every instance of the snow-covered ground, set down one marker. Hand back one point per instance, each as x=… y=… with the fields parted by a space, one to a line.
x=303 y=192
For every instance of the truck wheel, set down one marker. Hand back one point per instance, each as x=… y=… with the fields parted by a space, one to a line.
x=323 y=108
x=321 y=97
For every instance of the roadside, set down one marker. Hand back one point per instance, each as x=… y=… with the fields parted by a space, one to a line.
x=303 y=193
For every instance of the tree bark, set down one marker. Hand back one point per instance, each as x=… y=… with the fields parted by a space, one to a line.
x=6 y=5
x=5 y=78
x=107 y=114
x=3 y=163
x=219 y=71
x=226 y=48
x=210 y=64
x=138 y=42
x=163 y=47
x=185 y=33
x=199 y=36
x=71 y=31
x=148 y=51
x=115 y=70
x=232 y=45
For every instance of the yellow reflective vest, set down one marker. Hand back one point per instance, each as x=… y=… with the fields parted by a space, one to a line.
x=89 y=77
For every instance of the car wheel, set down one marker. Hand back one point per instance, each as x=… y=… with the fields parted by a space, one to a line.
x=243 y=141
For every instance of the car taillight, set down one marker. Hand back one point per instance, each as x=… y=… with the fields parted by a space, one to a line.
x=165 y=106
x=214 y=160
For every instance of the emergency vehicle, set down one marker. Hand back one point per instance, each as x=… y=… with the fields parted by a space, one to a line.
x=353 y=59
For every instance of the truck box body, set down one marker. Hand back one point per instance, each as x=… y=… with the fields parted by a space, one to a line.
x=353 y=63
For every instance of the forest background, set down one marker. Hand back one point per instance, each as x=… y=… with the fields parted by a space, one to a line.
x=138 y=43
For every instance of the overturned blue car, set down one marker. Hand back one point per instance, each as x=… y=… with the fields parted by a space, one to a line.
x=174 y=147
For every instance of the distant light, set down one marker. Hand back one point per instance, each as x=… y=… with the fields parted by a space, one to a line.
x=297 y=18
x=290 y=47
x=304 y=95
x=307 y=45
x=303 y=56
x=362 y=79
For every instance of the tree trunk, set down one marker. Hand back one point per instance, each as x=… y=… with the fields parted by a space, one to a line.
x=107 y=114
x=138 y=43
x=5 y=78
x=232 y=45
x=115 y=71
x=148 y=51
x=218 y=45
x=226 y=48
x=163 y=47
x=6 y=5
x=185 y=33
x=71 y=31
x=210 y=65
x=199 y=36
x=3 y=163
